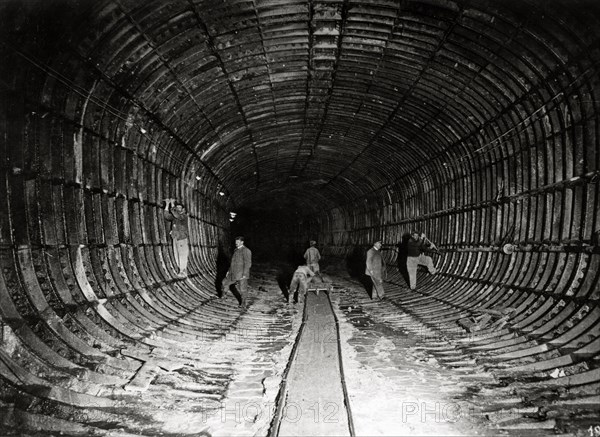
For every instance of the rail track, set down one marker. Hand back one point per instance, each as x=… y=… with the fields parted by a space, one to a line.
x=314 y=401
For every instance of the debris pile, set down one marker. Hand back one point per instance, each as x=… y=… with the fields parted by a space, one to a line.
x=486 y=318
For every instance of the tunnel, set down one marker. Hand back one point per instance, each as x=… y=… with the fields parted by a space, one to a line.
x=474 y=123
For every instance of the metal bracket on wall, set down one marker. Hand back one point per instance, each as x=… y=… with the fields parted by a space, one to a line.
x=508 y=249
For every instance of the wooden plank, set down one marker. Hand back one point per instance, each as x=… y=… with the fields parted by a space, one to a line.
x=143 y=378
x=157 y=357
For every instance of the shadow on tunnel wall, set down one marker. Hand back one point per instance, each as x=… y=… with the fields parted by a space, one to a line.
x=285 y=272
x=401 y=259
x=222 y=267
x=290 y=260
x=355 y=266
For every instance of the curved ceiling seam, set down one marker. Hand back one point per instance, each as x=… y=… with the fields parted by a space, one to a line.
x=128 y=95
x=495 y=120
x=511 y=37
x=404 y=97
x=211 y=45
x=268 y=67
x=334 y=69
x=71 y=85
x=589 y=177
x=371 y=82
x=564 y=93
x=165 y=62
x=106 y=107
x=151 y=115
x=309 y=79
x=475 y=167
x=474 y=76
x=474 y=170
x=474 y=90
x=552 y=44
x=117 y=113
x=435 y=118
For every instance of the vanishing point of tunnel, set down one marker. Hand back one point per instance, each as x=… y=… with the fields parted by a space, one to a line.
x=473 y=122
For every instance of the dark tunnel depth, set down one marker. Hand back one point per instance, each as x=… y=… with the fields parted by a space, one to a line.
x=346 y=122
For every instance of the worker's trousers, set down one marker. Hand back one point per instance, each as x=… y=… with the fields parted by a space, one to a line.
x=378 y=290
x=298 y=286
x=241 y=286
x=181 y=250
x=412 y=264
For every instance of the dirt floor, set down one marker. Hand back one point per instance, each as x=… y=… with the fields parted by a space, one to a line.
x=395 y=387
x=228 y=380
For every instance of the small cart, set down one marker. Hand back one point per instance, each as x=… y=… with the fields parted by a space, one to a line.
x=317 y=285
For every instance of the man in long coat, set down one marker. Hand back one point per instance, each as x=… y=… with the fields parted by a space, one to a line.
x=376 y=269
x=239 y=270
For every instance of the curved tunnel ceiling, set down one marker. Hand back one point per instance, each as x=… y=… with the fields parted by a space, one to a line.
x=330 y=101
x=475 y=121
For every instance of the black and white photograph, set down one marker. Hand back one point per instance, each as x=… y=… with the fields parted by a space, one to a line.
x=271 y=218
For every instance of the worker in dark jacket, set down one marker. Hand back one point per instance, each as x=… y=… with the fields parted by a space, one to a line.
x=376 y=269
x=239 y=270
x=176 y=214
x=415 y=256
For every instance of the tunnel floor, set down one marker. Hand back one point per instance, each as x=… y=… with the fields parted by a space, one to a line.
x=403 y=377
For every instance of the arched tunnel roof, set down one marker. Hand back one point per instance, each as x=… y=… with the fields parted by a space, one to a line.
x=325 y=102
x=344 y=121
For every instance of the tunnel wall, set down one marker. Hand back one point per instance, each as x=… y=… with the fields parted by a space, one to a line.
x=512 y=140
x=536 y=191
x=527 y=177
x=87 y=267
x=542 y=298
x=85 y=254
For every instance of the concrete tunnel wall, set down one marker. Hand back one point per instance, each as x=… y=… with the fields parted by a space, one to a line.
x=500 y=145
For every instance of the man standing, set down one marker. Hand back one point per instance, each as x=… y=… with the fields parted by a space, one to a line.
x=376 y=269
x=415 y=257
x=239 y=270
x=176 y=214
x=302 y=276
x=312 y=257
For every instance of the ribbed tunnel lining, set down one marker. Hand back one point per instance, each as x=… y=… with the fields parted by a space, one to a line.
x=345 y=122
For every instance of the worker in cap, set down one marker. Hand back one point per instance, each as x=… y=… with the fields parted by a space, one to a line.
x=312 y=257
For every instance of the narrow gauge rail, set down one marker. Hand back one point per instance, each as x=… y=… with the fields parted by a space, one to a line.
x=316 y=296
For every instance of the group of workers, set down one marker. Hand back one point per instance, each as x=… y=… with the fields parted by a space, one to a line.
x=241 y=260
x=416 y=246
